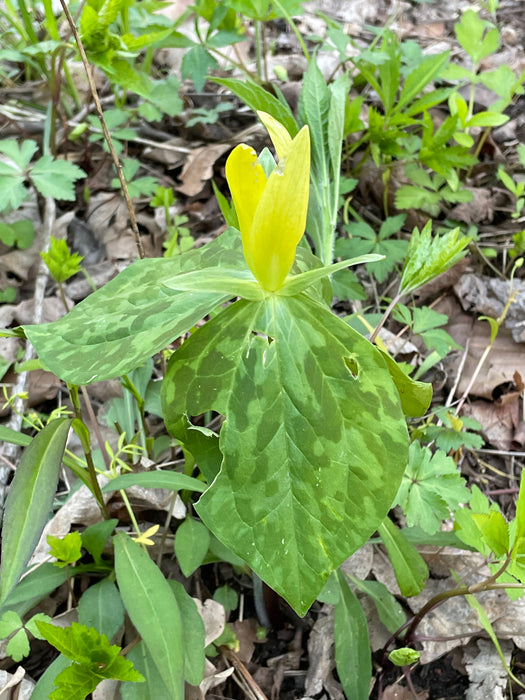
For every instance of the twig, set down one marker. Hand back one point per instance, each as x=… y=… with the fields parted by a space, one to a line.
x=10 y=451
x=105 y=129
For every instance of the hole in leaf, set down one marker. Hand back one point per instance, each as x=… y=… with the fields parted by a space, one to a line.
x=352 y=366
x=268 y=338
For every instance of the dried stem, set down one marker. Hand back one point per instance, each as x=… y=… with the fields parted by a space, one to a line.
x=105 y=129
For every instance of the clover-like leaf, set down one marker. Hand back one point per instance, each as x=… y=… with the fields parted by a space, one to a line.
x=56 y=178
x=431 y=487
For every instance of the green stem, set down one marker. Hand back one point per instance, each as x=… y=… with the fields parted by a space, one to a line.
x=95 y=486
x=284 y=12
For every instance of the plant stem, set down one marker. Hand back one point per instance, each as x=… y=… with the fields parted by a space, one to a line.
x=385 y=317
x=95 y=486
x=107 y=135
x=297 y=33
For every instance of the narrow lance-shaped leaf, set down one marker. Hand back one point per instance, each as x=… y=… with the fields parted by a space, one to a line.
x=314 y=443
x=30 y=500
x=352 y=646
x=409 y=566
x=153 y=610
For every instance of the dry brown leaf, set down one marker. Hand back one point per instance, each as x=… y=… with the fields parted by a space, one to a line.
x=320 y=654
x=198 y=168
x=502 y=426
x=480 y=208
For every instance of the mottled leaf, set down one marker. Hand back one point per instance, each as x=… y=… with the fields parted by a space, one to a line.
x=132 y=317
x=314 y=443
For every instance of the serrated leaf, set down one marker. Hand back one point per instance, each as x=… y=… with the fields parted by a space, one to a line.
x=67 y=549
x=19 y=152
x=56 y=178
x=30 y=500
x=196 y=64
x=431 y=487
x=152 y=608
x=428 y=256
x=192 y=540
x=12 y=192
x=18 y=646
x=409 y=566
x=9 y=622
x=291 y=481
x=352 y=646
x=94 y=659
x=470 y=32
x=132 y=317
x=419 y=78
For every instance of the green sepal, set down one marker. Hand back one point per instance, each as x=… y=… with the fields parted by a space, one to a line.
x=295 y=284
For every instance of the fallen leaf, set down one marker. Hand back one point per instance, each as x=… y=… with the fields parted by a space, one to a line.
x=198 y=168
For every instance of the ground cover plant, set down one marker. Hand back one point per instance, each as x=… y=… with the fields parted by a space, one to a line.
x=275 y=418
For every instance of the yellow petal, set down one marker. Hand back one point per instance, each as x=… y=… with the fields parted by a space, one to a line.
x=247 y=181
x=281 y=139
x=280 y=218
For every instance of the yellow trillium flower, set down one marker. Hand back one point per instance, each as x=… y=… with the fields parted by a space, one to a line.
x=271 y=211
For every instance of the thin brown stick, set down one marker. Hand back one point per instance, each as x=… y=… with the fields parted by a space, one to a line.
x=107 y=135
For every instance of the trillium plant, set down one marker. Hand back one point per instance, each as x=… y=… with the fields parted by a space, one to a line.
x=313 y=443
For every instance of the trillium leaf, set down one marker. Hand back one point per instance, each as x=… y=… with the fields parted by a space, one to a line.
x=132 y=317
x=314 y=444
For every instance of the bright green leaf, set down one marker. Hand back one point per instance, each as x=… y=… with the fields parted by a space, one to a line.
x=67 y=549
x=409 y=566
x=352 y=646
x=30 y=499
x=152 y=608
x=192 y=540
x=431 y=487
x=56 y=178
x=429 y=256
